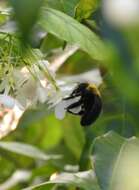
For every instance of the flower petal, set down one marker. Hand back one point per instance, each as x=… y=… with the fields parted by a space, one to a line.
x=60 y=110
x=7 y=101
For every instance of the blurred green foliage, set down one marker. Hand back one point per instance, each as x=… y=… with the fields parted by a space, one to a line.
x=26 y=15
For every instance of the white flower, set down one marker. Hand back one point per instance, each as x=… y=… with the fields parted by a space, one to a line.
x=7 y=101
x=31 y=87
x=41 y=93
x=92 y=76
x=25 y=87
x=46 y=66
x=121 y=12
x=60 y=108
x=10 y=113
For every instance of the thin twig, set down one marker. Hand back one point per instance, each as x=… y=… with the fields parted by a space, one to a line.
x=17 y=177
x=60 y=59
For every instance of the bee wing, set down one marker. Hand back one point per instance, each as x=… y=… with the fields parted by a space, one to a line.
x=76 y=111
x=75 y=106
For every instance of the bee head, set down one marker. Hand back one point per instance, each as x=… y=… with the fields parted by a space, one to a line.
x=80 y=88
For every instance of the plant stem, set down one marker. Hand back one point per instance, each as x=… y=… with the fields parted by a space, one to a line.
x=84 y=159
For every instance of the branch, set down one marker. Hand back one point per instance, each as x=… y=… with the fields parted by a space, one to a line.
x=59 y=59
x=17 y=177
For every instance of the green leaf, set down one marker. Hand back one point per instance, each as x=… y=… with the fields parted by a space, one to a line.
x=86 y=180
x=85 y=8
x=70 y=30
x=6 y=168
x=65 y=6
x=52 y=130
x=3 y=18
x=74 y=136
x=49 y=43
x=26 y=13
x=26 y=150
x=69 y=6
x=42 y=126
x=32 y=116
x=117 y=162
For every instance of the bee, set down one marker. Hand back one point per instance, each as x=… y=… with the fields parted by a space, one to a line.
x=88 y=105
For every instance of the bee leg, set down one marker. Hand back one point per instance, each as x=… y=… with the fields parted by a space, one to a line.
x=72 y=96
x=74 y=105
x=79 y=113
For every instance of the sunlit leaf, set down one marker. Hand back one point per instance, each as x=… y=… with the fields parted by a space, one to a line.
x=85 y=8
x=86 y=180
x=70 y=30
x=65 y=6
x=116 y=161
x=26 y=150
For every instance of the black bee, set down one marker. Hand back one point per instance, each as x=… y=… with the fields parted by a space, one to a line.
x=89 y=103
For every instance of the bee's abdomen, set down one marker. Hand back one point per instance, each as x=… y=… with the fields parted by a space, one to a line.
x=93 y=112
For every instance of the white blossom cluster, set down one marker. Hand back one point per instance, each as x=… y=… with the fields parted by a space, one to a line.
x=32 y=87
x=27 y=81
x=121 y=13
x=29 y=87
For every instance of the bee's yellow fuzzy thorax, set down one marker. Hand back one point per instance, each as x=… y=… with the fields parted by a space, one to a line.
x=94 y=89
